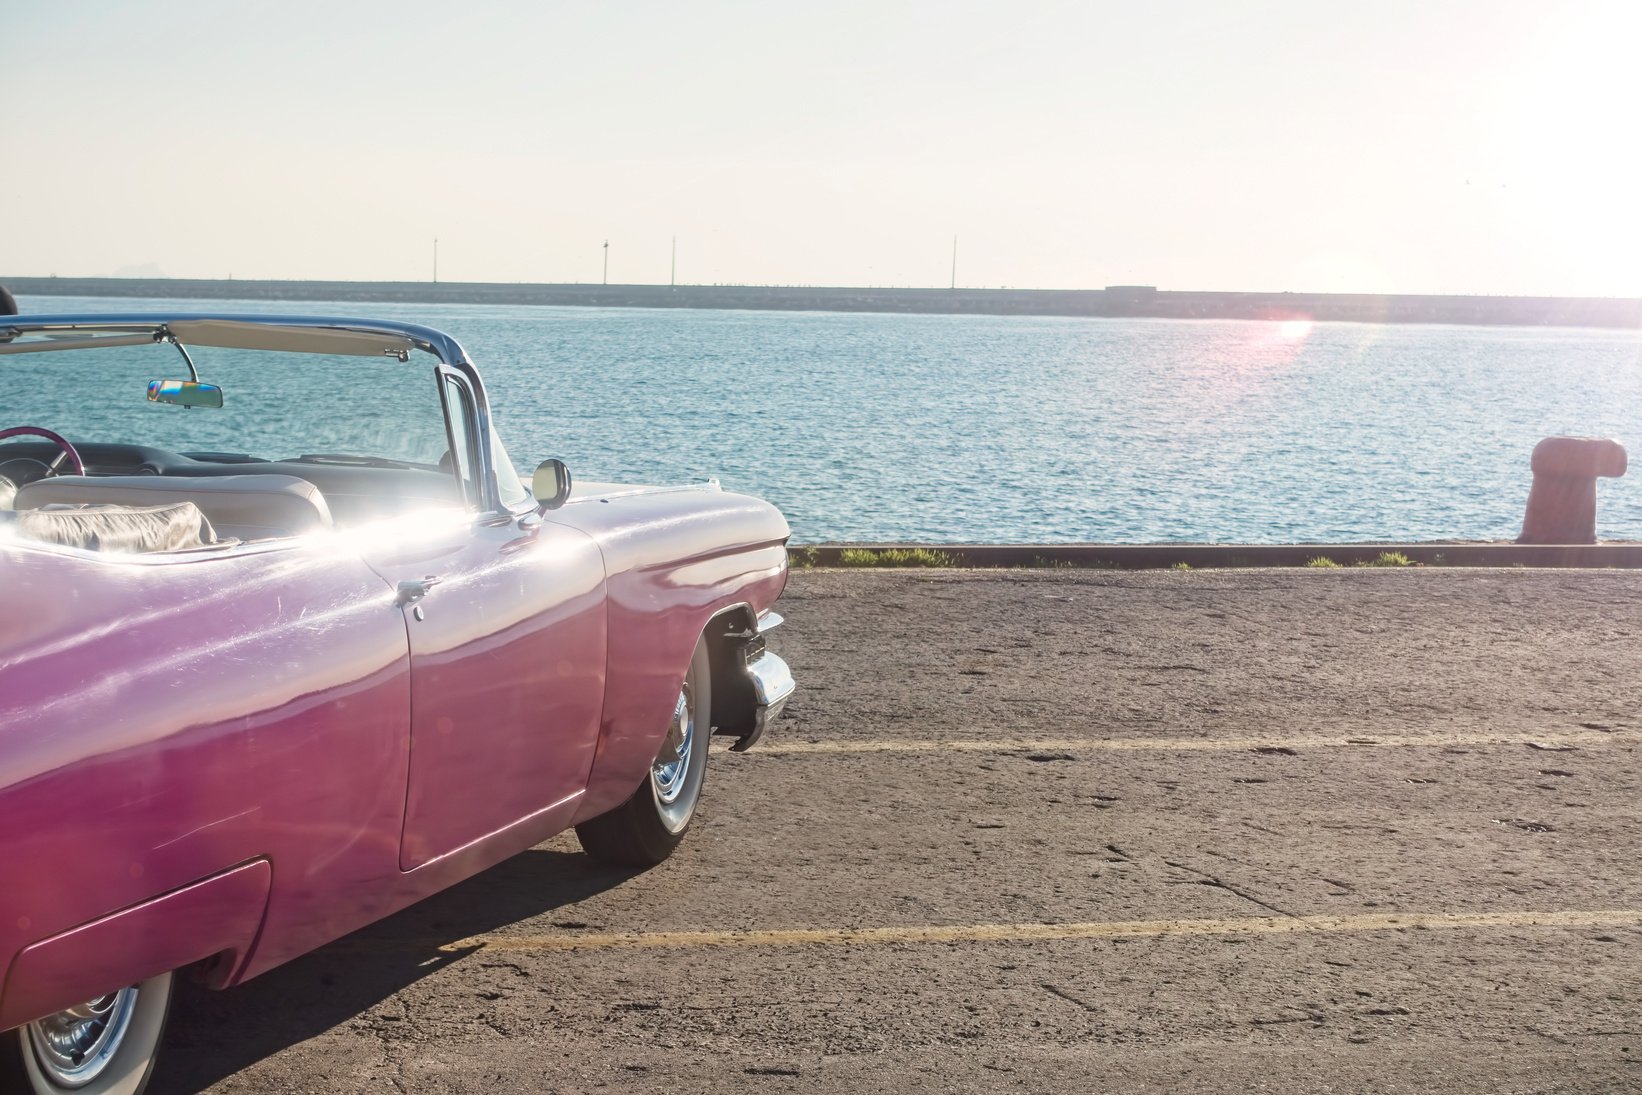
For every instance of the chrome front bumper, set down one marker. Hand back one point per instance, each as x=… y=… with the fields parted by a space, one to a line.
x=772 y=682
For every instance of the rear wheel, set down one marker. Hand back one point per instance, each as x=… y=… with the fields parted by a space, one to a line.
x=645 y=829
x=105 y=1046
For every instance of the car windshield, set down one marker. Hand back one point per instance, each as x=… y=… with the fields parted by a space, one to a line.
x=276 y=405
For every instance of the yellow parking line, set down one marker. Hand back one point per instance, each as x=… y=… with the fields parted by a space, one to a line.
x=1365 y=740
x=1018 y=933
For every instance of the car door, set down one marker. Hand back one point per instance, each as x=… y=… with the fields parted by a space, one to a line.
x=506 y=619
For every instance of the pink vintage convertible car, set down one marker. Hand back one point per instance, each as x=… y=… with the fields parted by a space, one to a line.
x=286 y=644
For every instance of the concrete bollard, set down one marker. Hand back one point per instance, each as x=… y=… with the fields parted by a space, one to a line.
x=1562 y=501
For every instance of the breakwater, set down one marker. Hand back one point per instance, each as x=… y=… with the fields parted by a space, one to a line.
x=1118 y=301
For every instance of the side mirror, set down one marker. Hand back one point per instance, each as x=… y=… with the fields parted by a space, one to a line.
x=184 y=393
x=550 y=484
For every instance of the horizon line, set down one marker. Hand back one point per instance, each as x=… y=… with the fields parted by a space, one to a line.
x=1129 y=289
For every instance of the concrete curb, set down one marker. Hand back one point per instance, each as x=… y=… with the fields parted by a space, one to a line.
x=1625 y=555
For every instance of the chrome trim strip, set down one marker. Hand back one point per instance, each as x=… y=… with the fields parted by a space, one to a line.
x=769 y=620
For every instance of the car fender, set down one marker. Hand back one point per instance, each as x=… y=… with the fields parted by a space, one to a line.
x=674 y=559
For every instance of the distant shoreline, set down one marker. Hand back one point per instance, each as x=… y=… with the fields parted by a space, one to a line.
x=1118 y=301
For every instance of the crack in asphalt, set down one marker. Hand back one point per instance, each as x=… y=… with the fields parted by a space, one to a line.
x=1219 y=883
x=1068 y=997
x=1309 y=1017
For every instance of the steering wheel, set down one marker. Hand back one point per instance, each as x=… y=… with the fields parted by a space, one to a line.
x=61 y=442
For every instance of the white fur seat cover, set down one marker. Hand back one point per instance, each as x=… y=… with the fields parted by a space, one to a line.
x=177 y=526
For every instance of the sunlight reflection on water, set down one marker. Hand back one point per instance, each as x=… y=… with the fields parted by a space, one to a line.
x=1026 y=429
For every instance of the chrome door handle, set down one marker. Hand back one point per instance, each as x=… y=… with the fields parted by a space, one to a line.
x=412 y=590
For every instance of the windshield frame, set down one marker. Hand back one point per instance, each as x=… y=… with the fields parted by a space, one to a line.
x=283 y=334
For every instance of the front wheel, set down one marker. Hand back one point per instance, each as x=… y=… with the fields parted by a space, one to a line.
x=104 y=1046
x=645 y=829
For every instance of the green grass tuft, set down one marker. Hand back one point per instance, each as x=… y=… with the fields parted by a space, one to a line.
x=1182 y=565
x=801 y=557
x=1324 y=562
x=1388 y=559
x=895 y=557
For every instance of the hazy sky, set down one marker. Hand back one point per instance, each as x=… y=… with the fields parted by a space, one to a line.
x=1488 y=146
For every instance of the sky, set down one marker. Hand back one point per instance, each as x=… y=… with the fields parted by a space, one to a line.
x=1485 y=146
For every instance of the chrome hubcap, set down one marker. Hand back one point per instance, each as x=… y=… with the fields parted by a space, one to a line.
x=672 y=767
x=74 y=1046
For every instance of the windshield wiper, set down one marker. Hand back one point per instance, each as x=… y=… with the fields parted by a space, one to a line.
x=353 y=461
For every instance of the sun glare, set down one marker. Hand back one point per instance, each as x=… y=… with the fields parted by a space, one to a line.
x=1294 y=329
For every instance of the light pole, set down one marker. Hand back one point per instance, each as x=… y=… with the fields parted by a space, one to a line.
x=436 y=260
x=954 y=284
x=606 y=280
x=672 y=277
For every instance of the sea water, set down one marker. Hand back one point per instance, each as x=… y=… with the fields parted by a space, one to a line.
x=1030 y=429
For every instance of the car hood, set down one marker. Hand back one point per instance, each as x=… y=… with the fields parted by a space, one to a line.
x=638 y=526
x=582 y=491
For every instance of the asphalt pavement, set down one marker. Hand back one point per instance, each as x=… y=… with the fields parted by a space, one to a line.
x=1207 y=831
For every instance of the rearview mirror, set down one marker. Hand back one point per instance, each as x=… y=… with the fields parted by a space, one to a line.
x=184 y=393
x=550 y=484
